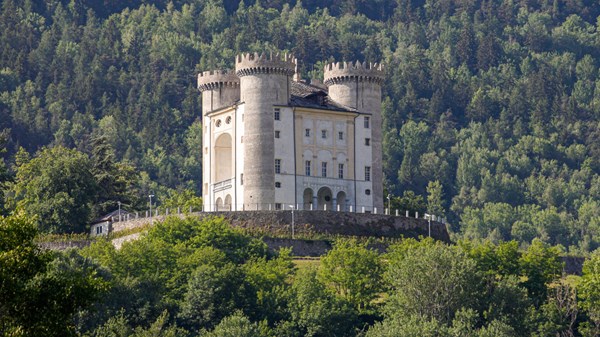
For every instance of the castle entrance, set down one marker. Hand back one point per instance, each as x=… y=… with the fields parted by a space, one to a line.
x=325 y=199
x=341 y=201
x=307 y=199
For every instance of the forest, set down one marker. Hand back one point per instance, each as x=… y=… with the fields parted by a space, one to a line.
x=205 y=278
x=491 y=108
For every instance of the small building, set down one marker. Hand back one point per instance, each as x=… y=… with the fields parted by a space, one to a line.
x=103 y=225
x=272 y=141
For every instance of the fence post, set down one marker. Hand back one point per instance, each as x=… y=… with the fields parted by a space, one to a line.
x=363 y=209
x=338 y=208
x=416 y=215
x=407 y=214
x=350 y=208
x=396 y=212
x=324 y=207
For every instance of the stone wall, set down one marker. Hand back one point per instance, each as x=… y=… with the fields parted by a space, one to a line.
x=334 y=223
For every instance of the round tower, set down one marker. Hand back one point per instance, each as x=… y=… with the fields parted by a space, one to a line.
x=220 y=88
x=264 y=83
x=358 y=86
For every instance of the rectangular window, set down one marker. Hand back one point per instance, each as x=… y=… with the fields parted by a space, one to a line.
x=367 y=141
x=277 y=133
x=276 y=114
x=324 y=169
x=99 y=230
x=278 y=206
x=323 y=134
x=307 y=168
x=241 y=179
x=277 y=166
x=307 y=132
x=367 y=120
x=277 y=184
x=341 y=171
x=367 y=173
x=340 y=135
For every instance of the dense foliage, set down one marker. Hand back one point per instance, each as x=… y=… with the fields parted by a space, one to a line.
x=491 y=108
x=196 y=277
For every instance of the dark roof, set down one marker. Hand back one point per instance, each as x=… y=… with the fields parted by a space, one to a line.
x=311 y=96
x=109 y=216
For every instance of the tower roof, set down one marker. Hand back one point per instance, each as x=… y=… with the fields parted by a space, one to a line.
x=311 y=96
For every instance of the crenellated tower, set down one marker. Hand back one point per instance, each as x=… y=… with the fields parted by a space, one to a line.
x=358 y=86
x=264 y=84
x=220 y=88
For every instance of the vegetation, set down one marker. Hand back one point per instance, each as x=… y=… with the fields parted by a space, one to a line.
x=196 y=277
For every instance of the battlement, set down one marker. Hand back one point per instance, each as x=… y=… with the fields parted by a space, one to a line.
x=339 y=72
x=254 y=63
x=214 y=79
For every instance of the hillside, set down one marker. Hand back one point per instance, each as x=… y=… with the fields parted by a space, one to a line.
x=491 y=111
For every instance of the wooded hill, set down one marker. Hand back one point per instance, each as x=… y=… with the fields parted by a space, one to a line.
x=491 y=110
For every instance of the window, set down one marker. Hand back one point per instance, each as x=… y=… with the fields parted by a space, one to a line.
x=218 y=123
x=341 y=171
x=99 y=230
x=367 y=141
x=367 y=120
x=307 y=167
x=241 y=179
x=228 y=120
x=277 y=166
x=323 y=134
x=307 y=132
x=278 y=206
x=276 y=114
x=277 y=184
x=277 y=133
x=367 y=173
x=368 y=192
x=340 y=135
x=324 y=169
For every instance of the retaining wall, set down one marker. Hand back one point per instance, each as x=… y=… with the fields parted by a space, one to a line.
x=278 y=223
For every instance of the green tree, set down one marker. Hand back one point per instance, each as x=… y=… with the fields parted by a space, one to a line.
x=353 y=271
x=540 y=265
x=315 y=311
x=431 y=280
x=589 y=294
x=58 y=187
x=41 y=291
x=234 y=326
x=435 y=198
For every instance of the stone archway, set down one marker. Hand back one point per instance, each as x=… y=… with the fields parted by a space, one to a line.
x=219 y=205
x=341 y=201
x=227 y=205
x=307 y=199
x=223 y=163
x=325 y=199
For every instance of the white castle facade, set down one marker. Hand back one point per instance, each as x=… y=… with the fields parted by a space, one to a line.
x=273 y=142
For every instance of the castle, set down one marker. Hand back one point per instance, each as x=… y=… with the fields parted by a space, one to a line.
x=271 y=141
